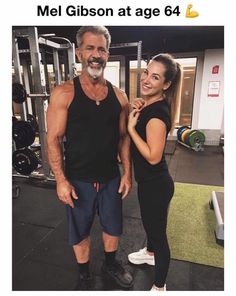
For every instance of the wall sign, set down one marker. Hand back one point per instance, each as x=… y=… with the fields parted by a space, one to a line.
x=215 y=69
x=213 y=89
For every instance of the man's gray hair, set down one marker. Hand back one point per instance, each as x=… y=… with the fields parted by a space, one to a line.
x=97 y=30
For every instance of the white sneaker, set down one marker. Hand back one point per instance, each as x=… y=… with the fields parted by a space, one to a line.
x=141 y=257
x=155 y=288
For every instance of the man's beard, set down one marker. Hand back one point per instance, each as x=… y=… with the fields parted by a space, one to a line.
x=95 y=73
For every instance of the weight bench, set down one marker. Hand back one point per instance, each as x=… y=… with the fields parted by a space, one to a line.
x=217 y=204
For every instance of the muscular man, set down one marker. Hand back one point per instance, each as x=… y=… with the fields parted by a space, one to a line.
x=92 y=115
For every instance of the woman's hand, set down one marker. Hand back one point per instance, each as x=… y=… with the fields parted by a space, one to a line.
x=138 y=104
x=133 y=119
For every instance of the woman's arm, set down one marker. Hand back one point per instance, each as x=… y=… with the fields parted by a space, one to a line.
x=151 y=150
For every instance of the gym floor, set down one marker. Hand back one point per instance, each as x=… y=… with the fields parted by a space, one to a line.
x=43 y=261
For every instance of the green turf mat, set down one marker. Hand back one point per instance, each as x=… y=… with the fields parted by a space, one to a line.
x=191 y=225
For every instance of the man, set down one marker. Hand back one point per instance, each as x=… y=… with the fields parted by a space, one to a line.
x=92 y=115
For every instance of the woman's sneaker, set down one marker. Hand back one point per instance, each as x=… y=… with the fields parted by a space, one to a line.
x=141 y=257
x=155 y=288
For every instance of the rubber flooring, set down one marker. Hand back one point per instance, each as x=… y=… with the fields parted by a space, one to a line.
x=43 y=261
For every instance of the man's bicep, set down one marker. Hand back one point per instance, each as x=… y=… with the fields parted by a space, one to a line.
x=56 y=117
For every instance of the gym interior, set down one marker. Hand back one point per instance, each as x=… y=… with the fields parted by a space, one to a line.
x=43 y=57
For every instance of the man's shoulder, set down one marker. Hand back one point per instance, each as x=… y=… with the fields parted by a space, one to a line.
x=66 y=87
x=121 y=95
x=63 y=92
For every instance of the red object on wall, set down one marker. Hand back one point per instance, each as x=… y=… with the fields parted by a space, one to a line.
x=215 y=69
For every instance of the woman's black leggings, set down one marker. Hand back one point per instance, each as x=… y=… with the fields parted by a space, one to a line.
x=154 y=198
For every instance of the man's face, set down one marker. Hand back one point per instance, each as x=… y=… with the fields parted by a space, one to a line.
x=93 y=54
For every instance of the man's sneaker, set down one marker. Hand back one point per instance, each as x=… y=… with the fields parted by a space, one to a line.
x=141 y=257
x=117 y=272
x=155 y=288
x=84 y=283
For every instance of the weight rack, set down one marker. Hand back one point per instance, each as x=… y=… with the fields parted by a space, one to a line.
x=35 y=80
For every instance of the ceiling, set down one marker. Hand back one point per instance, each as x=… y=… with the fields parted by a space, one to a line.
x=155 y=39
x=172 y=39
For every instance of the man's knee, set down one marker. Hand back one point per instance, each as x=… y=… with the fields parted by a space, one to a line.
x=110 y=242
x=82 y=250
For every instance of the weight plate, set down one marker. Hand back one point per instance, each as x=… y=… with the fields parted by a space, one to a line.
x=196 y=137
x=188 y=136
x=19 y=94
x=33 y=121
x=180 y=131
x=24 y=161
x=23 y=134
x=185 y=134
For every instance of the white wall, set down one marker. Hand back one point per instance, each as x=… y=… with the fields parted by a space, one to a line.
x=211 y=109
x=208 y=112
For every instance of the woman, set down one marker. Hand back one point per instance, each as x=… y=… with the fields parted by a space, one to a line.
x=149 y=124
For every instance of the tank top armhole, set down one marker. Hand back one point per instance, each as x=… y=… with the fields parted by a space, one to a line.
x=77 y=86
x=113 y=93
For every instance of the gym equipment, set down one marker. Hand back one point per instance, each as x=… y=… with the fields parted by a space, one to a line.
x=184 y=134
x=23 y=134
x=193 y=139
x=19 y=94
x=122 y=61
x=32 y=60
x=24 y=161
x=217 y=204
x=14 y=120
x=188 y=137
x=180 y=130
x=33 y=122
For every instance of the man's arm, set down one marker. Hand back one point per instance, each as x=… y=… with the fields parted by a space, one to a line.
x=56 y=124
x=124 y=145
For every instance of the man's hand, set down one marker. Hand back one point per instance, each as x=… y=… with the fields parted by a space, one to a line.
x=66 y=192
x=125 y=186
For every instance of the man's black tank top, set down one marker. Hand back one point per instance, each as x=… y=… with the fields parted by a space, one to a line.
x=92 y=136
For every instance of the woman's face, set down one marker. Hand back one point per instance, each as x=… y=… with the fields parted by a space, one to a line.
x=153 y=80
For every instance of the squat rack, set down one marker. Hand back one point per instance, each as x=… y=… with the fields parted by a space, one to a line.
x=35 y=80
